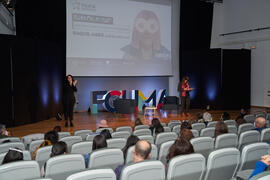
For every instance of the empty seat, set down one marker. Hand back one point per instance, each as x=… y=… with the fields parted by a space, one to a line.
x=67 y=163
x=173 y=123
x=5 y=146
x=251 y=154
x=124 y=128
x=222 y=164
x=31 y=137
x=150 y=170
x=148 y=138
x=63 y=134
x=21 y=169
x=226 y=140
x=163 y=124
x=230 y=122
x=26 y=156
x=142 y=132
x=91 y=137
x=101 y=129
x=248 y=137
x=166 y=129
x=198 y=126
x=10 y=139
x=141 y=127
x=163 y=151
x=176 y=129
x=245 y=127
x=165 y=137
x=265 y=135
x=250 y=118
x=116 y=143
x=69 y=140
x=189 y=166
x=121 y=134
x=84 y=147
x=261 y=114
x=106 y=158
x=130 y=157
x=83 y=133
x=33 y=145
x=203 y=145
x=208 y=132
x=195 y=132
x=212 y=124
x=95 y=174
x=43 y=154
x=232 y=129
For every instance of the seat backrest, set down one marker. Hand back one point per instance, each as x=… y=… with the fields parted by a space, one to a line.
x=106 y=158
x=150 y=170
x=251 y=154
x=212 y=124
x=116 y=143
x=166 y=129
x=64 y=163
x=91 y=137
x=230 y=122
x=141 y=127
x=173 y=123
x=33 y=145
x=195 y=132
x=248 y=137
x=43 y=154
x=232 y=129
x=148 y=138
x=63 y=134
x=226 y=140
x=101 y=129
x=164 y=137
x=10 y=139
x=94 y=174
x=260 y=114
x=207 y=132
x=142 y=132
x=265 y=135
x=84 y=147
x=83 y=133
x=70 y=140
x=31 y=137
x=198 y=126
x=245 y=127
x=189 y=166
x=163 y=124
x=222 y=164
x=121 y=134
x=26 y=156
x=130 y=157
x=250 y=118
x=176 y=129
x=124 y=128
x=5 y=146
x=203 y=145
x=22 y=169
x=163 y=151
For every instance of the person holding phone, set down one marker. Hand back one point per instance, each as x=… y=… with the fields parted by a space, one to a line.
x=69 y=98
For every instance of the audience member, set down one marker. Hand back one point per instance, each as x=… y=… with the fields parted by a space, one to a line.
x=57 y=129
x=50 y=138
x=243 y=112
x=14 y=154
x=181 y=146
x=132 y=140
x=186 y=134
x=159 y=129
x=199 y=117
x=106 y=133
x=3 y=131
x=142 y=151
x=138 y=122
x=103 y=124
x=99 y=142
x=155 y=123
x=225 y=116
x=185 y=125
x=207 y=117
x=261 y=165
x=240 y=121
x=221 y=128
x=260 y=123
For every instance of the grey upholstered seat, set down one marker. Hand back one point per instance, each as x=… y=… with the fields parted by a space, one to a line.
x=212 y=124
x=63 y=134
x=141 y=127
x=165 y=137
x=248 y=137
x=70 y=140
x=198 y=126
x=148 y=138
x=142 y=132
x=245 y=127
x=265 y=135
x=5 y=146
x=203 y=145
x=226 y=140
x=121 y=134
x=84 y=147
x=208 y=132
x=43 y=154
x=116 y=143
x=83 y=133
x=124 y=128
x=95 y=174
x=163 y=151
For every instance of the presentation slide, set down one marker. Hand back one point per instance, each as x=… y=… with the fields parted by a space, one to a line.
x=118 y=38
x=7 y=19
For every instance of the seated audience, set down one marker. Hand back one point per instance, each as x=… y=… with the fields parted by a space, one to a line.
x=240 y=121
x=225 y=116
x=106 y=133
x=3 y=131
x=57 y=129
x=155 y=123
x=243 y=112
x=221 y=128
x=181 y=146
x=261 y=165
x=131 y=141
x=186 y=134
x=99 y=142
x=185 y=125
x=142 y=151
x=207 y=117
x=159 y=129
x=50 y=138
x=103 y=124
x=199 y=117
x=138 y=122
x=14 y=154
x=260 y=124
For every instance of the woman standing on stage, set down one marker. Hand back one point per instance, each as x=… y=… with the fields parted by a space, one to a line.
x=69 y=98
x=184 y=90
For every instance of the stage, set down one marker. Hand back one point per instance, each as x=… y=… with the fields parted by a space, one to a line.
x=85 y=120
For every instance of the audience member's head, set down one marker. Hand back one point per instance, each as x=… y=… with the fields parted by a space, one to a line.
x=131 y=141
x=185 y=125
x=243 y=112
x=59 y=148
x=3 y=130
x=186 y=134
x=142 y=151
x=14 y=154
x=155 y=122
x=181 y=146
x=159 y=129
x=221 y=128
x=225 y=116
x=57 y=129
x=103 y=124
x=106 y=133
x=99 y=142
x=260 y=122
x=51 y=136
x=240 y=121
x=207 y=117
x=138 y=122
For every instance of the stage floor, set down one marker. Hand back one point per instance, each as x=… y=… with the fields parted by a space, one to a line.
x=85 y=120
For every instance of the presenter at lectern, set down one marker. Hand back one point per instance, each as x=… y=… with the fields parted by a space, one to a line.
x=184 y=90
x=69 y=98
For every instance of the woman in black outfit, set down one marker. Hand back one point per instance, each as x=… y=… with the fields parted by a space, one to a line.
x=69 y=98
